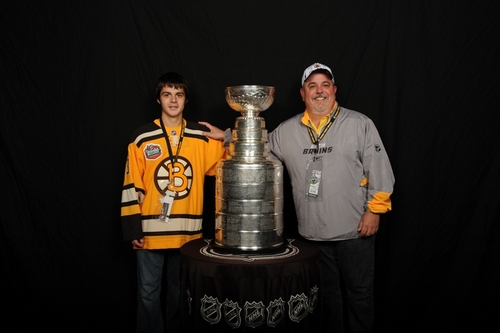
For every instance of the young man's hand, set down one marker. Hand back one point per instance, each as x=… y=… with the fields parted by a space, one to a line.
x=215 y=132
x=138 y=242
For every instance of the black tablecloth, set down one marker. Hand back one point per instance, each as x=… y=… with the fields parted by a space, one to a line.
x=276 y=292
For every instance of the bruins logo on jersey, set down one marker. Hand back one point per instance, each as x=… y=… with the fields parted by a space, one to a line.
x=180 y=174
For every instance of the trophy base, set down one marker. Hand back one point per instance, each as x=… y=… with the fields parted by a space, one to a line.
x=278 y=248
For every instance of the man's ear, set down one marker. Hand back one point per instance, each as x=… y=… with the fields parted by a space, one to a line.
x=302 y=93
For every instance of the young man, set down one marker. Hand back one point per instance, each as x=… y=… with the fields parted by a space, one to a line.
x=162 y=198
x=342 y=181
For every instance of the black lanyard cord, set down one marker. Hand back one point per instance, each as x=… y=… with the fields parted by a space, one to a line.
x=324 y=130
x=173 y=158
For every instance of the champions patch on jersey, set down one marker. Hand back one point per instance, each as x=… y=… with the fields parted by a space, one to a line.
x=152 y=151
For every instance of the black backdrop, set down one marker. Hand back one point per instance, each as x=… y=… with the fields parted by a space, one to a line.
x=78 y=77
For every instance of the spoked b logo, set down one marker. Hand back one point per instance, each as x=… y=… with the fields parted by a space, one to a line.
x=180 y=174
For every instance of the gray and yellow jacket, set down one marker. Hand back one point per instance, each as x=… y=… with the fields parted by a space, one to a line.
x=356 y=173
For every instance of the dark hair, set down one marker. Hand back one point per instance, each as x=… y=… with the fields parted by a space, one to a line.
x=172 y=79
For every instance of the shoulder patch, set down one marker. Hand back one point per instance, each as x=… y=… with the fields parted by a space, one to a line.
x=152 y=151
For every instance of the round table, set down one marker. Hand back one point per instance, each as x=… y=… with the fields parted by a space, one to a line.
x=254 y=292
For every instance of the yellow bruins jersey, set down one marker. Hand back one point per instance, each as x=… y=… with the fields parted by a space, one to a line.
x=150 y=168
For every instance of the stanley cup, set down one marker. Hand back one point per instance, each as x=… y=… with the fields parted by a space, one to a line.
x=249 y=184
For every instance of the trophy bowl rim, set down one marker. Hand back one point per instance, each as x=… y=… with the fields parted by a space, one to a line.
x=250 y=86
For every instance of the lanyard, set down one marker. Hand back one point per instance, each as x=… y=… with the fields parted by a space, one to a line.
x=173 y=158
x=325 y=129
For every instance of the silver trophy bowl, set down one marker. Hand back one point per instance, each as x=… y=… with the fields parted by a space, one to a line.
x=250 y=98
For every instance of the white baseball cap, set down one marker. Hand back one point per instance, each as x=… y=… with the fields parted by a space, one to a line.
x=316 y=67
